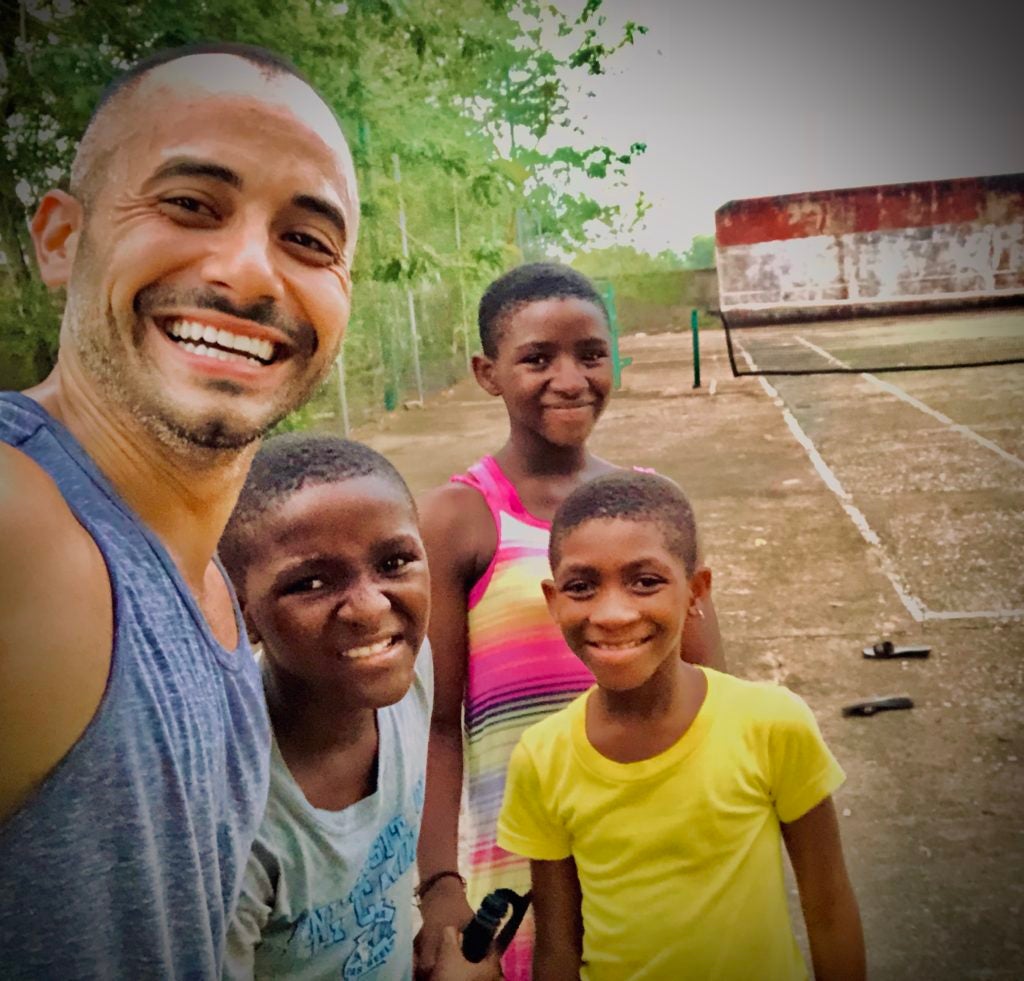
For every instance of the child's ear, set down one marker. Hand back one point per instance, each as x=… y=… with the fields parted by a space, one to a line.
x=550 y=594
x=483 y=370
x=700 y=590
x=250 y=627
x=55 y=228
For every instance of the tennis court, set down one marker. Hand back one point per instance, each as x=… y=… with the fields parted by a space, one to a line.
x=838 y=510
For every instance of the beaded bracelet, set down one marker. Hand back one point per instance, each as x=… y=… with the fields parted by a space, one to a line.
x=432 y=880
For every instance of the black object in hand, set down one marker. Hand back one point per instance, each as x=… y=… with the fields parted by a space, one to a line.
x=481 y=930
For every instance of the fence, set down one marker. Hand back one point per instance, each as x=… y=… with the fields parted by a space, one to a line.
x=662 y=301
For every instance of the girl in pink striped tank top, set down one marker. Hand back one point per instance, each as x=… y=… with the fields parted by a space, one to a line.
x=500 y=662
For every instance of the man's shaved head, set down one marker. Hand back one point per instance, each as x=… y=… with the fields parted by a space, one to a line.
x=206 y=67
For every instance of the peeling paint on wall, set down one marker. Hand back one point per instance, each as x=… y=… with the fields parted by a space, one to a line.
x=873 y=249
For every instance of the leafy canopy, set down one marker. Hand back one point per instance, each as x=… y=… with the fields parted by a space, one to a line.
x=461 y=92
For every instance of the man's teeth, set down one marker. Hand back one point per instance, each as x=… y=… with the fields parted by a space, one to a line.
x=212 y=352
x=369 y=650
x=199 y=338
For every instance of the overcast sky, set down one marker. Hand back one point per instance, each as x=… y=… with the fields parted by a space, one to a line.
x=743 y=98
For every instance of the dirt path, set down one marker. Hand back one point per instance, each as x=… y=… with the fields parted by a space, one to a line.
x=932 y=810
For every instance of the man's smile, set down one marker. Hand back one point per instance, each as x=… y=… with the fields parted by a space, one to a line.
x=219 y=343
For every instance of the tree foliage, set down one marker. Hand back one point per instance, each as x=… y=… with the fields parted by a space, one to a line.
x=461 y=92
x=624 y=260
x=701 y=253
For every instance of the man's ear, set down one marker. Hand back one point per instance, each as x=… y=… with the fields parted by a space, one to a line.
x=55 y=228
x=483 y=370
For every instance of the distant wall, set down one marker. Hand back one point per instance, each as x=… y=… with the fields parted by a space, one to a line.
x=653 y=302
x=872 y=249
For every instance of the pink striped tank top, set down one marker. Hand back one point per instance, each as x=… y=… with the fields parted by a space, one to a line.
x=520 y=671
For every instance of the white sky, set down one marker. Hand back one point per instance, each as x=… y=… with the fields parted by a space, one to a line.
x=743 y=98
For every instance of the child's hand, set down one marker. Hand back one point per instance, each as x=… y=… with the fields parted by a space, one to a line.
x=452 y=966
x=444 y=906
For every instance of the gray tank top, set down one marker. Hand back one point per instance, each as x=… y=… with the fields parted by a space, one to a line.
x=127 y=861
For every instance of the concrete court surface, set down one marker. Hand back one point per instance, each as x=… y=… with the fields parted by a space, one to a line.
x=836 y=512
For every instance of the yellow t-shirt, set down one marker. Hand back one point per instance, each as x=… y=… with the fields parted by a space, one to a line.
x=679 y=856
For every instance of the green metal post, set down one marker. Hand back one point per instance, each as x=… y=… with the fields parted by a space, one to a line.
x=618 y=362
x=696 y=348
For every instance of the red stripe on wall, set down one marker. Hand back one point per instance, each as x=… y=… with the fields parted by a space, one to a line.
x=996 y=200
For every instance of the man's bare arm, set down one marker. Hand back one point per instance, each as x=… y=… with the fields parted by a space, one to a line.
x=56 y=628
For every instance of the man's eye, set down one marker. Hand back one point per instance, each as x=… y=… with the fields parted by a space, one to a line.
x=306 y=241
x=192 y=205
x=649 y=583
x=593 y=357
x=577 y=588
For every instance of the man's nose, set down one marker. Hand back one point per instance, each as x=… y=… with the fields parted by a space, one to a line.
x=243 y=263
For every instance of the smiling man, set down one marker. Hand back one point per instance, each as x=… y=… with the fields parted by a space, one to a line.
x=206 y=246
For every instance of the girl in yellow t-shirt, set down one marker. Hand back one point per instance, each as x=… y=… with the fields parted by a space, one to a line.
x=652 y=807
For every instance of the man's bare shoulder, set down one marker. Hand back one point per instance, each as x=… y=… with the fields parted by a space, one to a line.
x=27 y=495
x=56 y=626
x=38 y=531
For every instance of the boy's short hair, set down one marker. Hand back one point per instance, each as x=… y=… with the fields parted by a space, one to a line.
x=285 y=465
x=631 y=496
x=531 y=283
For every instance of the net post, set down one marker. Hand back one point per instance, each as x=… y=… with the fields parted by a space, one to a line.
x=728 y=345
x=618 y=362
x=696 y=348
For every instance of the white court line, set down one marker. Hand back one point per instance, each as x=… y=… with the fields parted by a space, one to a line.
x=918 y=404
x=912 y=604
x=973 y=615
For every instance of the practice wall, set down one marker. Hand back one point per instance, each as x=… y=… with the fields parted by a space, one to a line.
x=896 y=247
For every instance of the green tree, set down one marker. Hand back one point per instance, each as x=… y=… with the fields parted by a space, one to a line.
x=441 y=84
x=701 y=253
x=624 y=260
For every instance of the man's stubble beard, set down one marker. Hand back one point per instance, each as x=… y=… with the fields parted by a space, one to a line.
x=147 y=406
x=119 y=372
